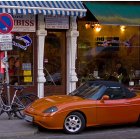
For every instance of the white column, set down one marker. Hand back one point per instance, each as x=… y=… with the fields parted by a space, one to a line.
x=41 y=33
x=72 y=35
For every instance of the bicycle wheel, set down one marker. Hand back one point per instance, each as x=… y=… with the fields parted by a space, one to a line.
x=31 y=96
x=20 y=105
x=25 y=100
x=19 y=114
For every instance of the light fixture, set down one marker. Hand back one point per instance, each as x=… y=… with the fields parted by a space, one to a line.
x=87 y=25
x=94 y=25
x=97 y=27
x=122 y=28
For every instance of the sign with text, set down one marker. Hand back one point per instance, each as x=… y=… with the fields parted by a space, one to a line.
x=5 y=38
x=6 y=42
x=6 y=46
x=57 y=22
x=28 y=79
x=24 y=23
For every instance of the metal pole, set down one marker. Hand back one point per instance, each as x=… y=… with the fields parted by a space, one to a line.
x=7 y=78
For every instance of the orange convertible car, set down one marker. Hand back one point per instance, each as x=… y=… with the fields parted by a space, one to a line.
x=94 y=103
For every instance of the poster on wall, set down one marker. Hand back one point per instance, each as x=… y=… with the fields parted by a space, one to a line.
x=57 y=22
x=28 y=79
x=24 y=23
x=27 y=72
x=26 y=66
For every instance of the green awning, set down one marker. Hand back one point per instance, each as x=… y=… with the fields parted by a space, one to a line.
x=115 y=13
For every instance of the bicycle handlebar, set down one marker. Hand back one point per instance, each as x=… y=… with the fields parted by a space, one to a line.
x=18 y=87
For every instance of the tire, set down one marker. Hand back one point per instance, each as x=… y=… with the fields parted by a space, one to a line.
x=74 y=123
x=138 y=121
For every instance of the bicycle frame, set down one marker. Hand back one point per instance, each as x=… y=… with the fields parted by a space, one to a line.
x=16 y=104
x=3 y=105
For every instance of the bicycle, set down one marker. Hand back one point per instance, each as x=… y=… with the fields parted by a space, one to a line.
x=17 y=104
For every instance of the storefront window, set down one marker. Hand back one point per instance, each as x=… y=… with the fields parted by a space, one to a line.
x=20 y=59
x=99 y=52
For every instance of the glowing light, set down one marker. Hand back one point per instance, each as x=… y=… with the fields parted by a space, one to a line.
x=97 y=27
x=87 y=25
x=122 y=28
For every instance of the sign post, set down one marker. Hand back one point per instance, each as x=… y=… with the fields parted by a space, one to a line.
x=6 y=26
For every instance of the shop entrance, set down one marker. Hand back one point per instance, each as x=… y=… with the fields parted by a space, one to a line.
x=55 y=63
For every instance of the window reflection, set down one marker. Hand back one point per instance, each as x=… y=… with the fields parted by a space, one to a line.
x=20 y=59
x=53 y=58
x=99 y=52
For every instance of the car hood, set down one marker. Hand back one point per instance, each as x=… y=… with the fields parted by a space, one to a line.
x=44 y=103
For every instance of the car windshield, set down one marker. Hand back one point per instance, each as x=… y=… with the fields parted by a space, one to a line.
x=87 y=90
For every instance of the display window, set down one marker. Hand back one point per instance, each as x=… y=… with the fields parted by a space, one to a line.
x=100 y=51
x=20 y=59
x=54 y=63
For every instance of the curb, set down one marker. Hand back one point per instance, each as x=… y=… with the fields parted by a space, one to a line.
x=16 y=128
x=17 y=134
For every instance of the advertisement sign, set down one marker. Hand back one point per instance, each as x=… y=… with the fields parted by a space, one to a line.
x=22 y=42
x=27 y=72
x=26 y=66
x=24 y=23
x=57 y=22
x=28 y=79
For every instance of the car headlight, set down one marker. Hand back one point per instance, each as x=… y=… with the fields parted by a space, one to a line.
x=51 y=109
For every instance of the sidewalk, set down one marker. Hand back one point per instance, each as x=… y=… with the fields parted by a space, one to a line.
x=15 y=127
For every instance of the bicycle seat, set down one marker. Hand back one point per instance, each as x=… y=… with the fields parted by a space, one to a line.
x=18 y=87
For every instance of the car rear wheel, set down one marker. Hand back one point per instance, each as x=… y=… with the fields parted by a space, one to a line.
x=74 y=123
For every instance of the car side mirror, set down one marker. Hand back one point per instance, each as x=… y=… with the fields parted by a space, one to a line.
x=105 y=97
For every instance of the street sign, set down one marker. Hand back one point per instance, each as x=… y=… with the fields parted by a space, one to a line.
x=6 y=42
x=6 y=23
x=6 y=46
x=5 y=38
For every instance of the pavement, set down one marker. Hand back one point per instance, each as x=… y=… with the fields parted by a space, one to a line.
x=15 y=127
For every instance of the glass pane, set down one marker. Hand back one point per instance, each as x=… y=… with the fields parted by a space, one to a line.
x=99 y=52
x=54 y=44
x=20 y=60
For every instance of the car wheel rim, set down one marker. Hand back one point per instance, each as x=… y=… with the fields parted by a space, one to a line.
x=73 y=123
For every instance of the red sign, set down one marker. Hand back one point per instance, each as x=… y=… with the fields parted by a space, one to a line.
x=6 y=23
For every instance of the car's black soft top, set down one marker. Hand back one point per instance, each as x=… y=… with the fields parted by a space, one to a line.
x=106 y=83
x=110 y=84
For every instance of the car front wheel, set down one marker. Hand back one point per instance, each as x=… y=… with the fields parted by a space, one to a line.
x=74 y=123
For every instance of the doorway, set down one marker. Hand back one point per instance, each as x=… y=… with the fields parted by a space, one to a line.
x=55 y=63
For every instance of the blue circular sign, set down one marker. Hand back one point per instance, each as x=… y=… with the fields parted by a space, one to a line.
x=6 y=23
